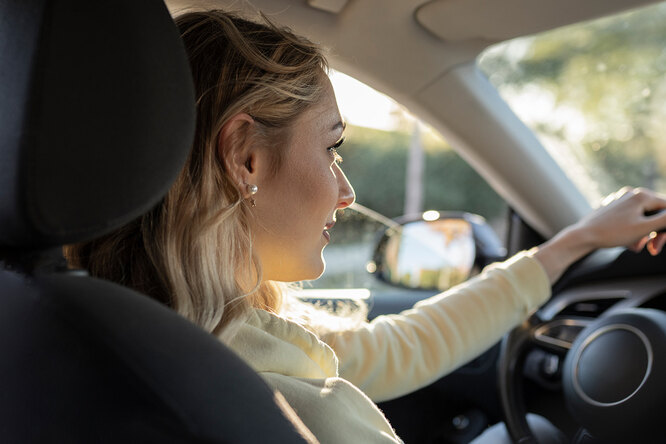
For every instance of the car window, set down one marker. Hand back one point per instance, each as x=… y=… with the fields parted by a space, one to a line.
x=595 y=95
x=397 y=165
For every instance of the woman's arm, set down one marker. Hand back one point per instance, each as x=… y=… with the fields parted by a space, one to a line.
x=397 y=354
x=621 y=221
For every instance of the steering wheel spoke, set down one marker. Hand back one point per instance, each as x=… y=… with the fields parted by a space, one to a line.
x=557 y=336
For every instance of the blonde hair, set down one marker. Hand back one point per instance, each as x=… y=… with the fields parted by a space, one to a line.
x=193 y=251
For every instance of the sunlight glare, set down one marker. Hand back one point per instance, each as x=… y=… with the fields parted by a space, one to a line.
x=361 y=105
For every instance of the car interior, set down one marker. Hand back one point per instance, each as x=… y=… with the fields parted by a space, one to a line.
x=97 y=117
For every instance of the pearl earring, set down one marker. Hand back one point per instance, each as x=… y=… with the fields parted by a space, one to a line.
x=252 y=189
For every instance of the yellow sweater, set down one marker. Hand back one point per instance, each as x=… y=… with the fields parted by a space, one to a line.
x=330 y=381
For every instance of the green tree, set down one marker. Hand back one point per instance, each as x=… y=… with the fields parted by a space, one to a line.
x=375 y=162
x=611 y=71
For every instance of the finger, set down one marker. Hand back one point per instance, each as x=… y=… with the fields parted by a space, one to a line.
x=622 y=192
x=637 y=247
x=660 y=242
x=656 y=219
x=656 y=244
x=651 y=199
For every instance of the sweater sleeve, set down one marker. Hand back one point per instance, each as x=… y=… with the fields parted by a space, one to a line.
x=397 y=354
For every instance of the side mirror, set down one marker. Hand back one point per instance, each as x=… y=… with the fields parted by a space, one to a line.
x=435 y=251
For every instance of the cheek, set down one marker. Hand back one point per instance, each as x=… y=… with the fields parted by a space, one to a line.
x=311 y=201
x=314 y=181
x=300 y=199
x=323 y=189
x=291 y=220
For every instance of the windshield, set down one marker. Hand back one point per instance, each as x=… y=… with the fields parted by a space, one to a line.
x=595 y=95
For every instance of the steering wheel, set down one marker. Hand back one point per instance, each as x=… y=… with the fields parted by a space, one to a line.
x=612 y=377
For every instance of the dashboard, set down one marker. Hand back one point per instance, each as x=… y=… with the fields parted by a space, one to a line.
x=603 y=285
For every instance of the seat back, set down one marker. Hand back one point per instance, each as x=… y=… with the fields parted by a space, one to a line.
x=96 y=121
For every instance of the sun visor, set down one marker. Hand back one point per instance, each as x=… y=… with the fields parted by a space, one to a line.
x=494 y=20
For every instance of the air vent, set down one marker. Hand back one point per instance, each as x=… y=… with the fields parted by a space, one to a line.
x=592 y=308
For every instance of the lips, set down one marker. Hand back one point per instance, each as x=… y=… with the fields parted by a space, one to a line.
x=327 y=227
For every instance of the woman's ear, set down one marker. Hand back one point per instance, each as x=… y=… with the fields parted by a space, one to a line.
x=236 y=150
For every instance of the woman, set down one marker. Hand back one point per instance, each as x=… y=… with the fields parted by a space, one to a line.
x=252 y=209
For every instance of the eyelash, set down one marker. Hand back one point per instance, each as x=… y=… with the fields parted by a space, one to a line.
x=334 y=150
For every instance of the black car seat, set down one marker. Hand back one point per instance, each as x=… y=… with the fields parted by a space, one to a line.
x=96 y=119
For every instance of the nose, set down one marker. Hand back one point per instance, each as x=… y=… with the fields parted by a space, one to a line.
x=346 y=195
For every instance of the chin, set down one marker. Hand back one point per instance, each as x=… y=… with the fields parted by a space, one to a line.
x=314 y=269
x=320 y=273
x=315 y=274
x=308 y=271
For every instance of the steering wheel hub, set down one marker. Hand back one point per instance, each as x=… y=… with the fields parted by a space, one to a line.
x=612 y=364
x=613 y=375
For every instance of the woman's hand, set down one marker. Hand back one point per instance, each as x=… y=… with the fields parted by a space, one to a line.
x=621 y=221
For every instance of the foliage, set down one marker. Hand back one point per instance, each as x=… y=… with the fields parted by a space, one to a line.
x=608 y=75
x=375 y=163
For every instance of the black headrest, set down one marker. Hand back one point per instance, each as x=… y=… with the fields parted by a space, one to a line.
x=96 y=116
